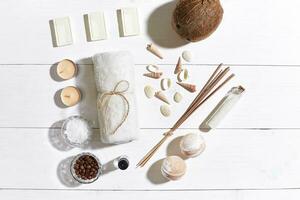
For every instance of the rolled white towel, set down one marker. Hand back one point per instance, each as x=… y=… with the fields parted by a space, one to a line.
x=116 y=69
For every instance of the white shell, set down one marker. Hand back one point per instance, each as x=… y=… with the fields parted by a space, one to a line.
x=149 y=91
x=161 y=96
x=183 y=75
x=155 y=75
x=188 y=86
x=178 y=67
x=165 y=83
x=187 y=56
x=153 y=49
x=177 y=97
x=152 y=68
x=192 y=144
x=165 y=110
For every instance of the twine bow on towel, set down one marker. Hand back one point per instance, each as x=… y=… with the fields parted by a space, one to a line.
x=118 y=92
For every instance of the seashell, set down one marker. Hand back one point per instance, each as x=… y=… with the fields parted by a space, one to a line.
x=165 y=110
x=178 y=66
x=152 y=68
x=189 y=87
x=161 y=96
x=187 y=56
x=192 y=145
x=177 y=97
x=149 y=91
x=183 y=75
x=173 y=167
x=155 y=75
x=165 y=83
x=153 y=49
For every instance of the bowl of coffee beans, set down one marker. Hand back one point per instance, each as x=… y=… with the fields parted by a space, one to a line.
x=86 y=168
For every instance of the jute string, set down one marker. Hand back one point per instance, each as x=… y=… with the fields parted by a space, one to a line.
x=104 y=99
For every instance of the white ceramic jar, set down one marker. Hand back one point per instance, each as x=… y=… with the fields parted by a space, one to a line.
x=192 y=144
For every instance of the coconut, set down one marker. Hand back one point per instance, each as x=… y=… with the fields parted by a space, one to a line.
x=195 y=20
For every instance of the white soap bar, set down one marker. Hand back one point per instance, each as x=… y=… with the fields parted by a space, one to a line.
x=129 y=22
x=96 y=28
x=62 y=31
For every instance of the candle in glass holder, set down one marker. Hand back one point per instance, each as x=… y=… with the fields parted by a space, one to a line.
x=70 y=96
x=66 y=69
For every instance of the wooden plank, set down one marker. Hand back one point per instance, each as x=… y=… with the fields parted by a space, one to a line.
x=93 y=195
x=233 y=159
x=148 y=195
x=249 y=34
x=271 y=99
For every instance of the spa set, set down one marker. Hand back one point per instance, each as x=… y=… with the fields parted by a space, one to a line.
x=117 y=98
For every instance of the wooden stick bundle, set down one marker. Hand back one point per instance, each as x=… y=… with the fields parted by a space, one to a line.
x=206 y=92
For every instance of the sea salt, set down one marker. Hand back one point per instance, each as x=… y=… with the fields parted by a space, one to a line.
x=77 y=130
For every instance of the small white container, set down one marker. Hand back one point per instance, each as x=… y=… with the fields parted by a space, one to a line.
x=173 y=168
x=192 y=145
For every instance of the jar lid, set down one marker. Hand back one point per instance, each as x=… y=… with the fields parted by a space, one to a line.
x=192 y=142
x=174 y=166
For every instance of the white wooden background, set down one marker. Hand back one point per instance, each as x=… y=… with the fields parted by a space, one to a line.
x=254 y=154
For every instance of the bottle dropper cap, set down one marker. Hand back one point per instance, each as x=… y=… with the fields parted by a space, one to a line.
x=123 y=163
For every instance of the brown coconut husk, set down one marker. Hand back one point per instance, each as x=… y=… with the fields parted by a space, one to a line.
x=195 y=20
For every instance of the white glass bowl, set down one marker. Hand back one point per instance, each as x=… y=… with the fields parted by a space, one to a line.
x=65 y=137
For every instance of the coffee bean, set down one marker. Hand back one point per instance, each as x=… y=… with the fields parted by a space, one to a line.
x=86 y=167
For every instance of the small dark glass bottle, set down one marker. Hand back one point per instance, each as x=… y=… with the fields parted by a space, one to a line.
x=122 y=162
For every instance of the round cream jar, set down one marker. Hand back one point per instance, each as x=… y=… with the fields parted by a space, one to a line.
x=192 y=144
x=173 y=168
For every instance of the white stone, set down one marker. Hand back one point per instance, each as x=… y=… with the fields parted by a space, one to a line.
x=187 y=56
x=177 y=97
x=149 y=91
x=165 y=110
